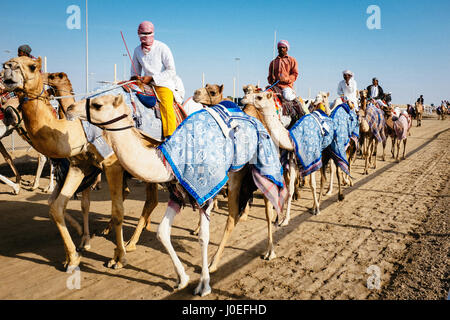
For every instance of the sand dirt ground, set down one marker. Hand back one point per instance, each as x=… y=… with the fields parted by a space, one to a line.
x=395 y=221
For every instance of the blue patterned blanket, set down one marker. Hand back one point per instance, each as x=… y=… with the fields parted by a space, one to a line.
x=346 y=126
x=201 y=151
x=311 y=135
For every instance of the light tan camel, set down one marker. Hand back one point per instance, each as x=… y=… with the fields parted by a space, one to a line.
x=211 y=95
x=147 y=164
x=419 y=113
x=398 y=131
x=262 y=104
x=59 y=138
x=369 y=143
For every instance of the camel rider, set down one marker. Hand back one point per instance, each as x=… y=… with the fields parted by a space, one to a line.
x=155 y=60
x=375 y=91
x=25 y=50
x=348 y=88
x=284 y=69
x=420 y=100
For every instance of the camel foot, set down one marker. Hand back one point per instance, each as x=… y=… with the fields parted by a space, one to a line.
x=72 y=262
x=182 y=282
x=16 y=189
x=85 y=243
x=130 y=247
x=270 y=254
x=403 y=158
x=49 y=189
x=341 y=197
x=284 y=223
x=212 y=267
x=119 y=260
x=196 y=231
x=244 y=217
x=397 y=160
x=329 y=192
x=105 y=231
x=203 y=288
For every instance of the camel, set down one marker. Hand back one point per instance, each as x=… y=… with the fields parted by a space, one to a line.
x=61 y=88
x=147 y=163
x=13 y=118
x=398 y=130
x=419 y=113
x=261 y=105
x=369 y=141
x=441 y=111
x=60 y=138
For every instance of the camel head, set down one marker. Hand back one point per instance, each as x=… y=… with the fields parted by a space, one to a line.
x=22 y=74
x=101 y=109
x=58 y=80
x=250 y=89
x=263 y=101
x=210 y=95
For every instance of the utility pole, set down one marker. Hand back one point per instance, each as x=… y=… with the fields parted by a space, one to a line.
x=87 y=50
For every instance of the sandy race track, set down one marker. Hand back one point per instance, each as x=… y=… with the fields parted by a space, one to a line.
x=393 y=223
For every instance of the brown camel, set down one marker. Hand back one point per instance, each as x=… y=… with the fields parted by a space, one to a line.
x=419 y=113
x=398 y=130
x=59 y=138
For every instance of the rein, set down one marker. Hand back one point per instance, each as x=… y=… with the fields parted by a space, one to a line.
x=88 y=117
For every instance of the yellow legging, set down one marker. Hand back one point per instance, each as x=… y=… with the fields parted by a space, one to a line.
x=169 y=121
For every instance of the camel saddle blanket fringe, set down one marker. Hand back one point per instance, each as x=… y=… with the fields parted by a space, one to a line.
x=204 y=148
x=376 y=121
x=346 y=127
x=401 y=127
x=292 y=109
x=311 y=135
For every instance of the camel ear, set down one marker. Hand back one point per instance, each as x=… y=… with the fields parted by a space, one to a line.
x=269 y=95
x=118 y=100
x=221 y=89
x=328 y=94
x=39 y=63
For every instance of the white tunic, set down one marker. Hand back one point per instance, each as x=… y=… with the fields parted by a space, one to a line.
x=159 y=64
x=350 y=91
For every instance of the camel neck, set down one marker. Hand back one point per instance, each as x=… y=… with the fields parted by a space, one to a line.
x=142 y=161
x=279 y=134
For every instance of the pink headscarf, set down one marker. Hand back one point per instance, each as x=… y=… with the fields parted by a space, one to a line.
x=283 y=43
x=146 y=40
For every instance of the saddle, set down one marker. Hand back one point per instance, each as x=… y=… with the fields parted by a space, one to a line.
x=292 y=109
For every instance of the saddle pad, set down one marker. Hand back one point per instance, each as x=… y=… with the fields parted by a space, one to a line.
x=346 y=127
x=376 y=121
x=201 y=156
x=310 y=139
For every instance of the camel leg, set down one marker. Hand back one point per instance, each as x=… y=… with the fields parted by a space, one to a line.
x=163 y=235
x=339 y=178
x=41 y=163
x=234 y=186
x=270 y=253
x=330 y=188
x=384 y=147
x=392 y=149
x=323 y=179
x=114 y=176
x=150 y=204
x=375 y=154
x=57 y=210
x=404 y=149
x=367 y=152
x=313 y=185
x=10 y=162
x=51 y=184
x=16 y=187
x=291 y=188
x=203 y=287
x=85 y=204
x=197 y=230
x=97 y=183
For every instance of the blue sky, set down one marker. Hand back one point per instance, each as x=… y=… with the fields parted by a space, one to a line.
x=410 y=54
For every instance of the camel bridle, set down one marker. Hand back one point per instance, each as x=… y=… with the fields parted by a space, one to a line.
x=102 y=124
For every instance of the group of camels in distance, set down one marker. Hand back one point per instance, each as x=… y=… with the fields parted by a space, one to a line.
x=60 y=135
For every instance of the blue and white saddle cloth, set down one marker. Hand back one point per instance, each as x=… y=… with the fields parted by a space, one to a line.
x=346 y=126
x=145 y=119
x=211 y=142
x=311 y=135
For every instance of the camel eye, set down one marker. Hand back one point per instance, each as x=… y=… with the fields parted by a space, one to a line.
x=259 y=98
x=213 y=93
x=51 y=77
x=96 y=106
x=33 y=68
x=60 y=75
